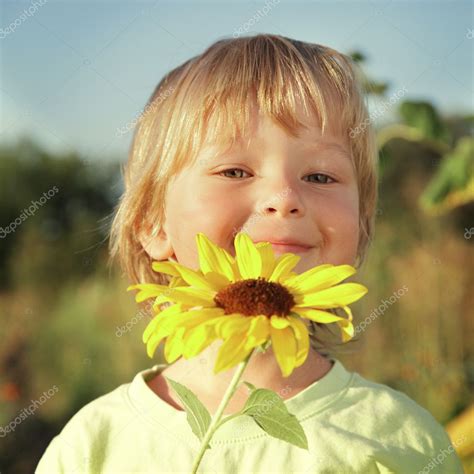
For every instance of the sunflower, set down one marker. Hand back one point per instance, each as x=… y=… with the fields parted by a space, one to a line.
x=248 y=301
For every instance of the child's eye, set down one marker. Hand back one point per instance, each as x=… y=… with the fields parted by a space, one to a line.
x=232 y=169
x=322 y=178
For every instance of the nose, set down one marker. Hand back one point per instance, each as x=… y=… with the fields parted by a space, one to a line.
x=282 y=200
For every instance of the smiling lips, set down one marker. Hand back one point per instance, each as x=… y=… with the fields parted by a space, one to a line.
x=282 y=246
x=287 y=246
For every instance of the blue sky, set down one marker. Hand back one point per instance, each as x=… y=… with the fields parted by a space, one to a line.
x=72 y=72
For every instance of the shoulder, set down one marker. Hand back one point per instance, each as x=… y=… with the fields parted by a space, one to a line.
x=98 y=414
x=390 y=428
x=80 y=441
x=394 y=414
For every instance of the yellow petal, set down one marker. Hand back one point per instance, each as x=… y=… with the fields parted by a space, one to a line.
x=294 y=277
x=284 y=348
x=192 y=296
x=176 y=281
x=150 y=328
x=153 y=324
x=230 y=324
x=153 y=342
x=284 y=264
x=147 y=290
x=302 y=340
x=189 y=319
x=196 y=280
x=334 y=297
x=165 y=267
x=268 y=259
x=347 y=329
x=217 y=280
x=279 y=322
x=213 y=258
x=155 y=339
x=258 y=332
x=231 y=352
x=348 y=312
x=159 y=301
x=174 y=345
x=161 y=330
x=197 y=339
x=248 y=257
x=317 y=315
x=319 y=278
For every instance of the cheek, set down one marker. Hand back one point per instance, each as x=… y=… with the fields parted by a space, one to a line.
x=194 y=209
x=214 y=213
x=339 y=223
x=346 y=215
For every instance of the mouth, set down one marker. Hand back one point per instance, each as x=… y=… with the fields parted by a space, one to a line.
x=285 y=248
x=282 y=247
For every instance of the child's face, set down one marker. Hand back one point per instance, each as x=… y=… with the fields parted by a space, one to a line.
x=277 y=189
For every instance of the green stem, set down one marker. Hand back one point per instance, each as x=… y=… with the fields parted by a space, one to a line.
x=215 y=422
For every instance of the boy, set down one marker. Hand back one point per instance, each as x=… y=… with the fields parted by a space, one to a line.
x=234 y=147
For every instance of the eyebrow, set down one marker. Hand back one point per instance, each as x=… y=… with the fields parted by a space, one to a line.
x=317 y=146
x=331 y=146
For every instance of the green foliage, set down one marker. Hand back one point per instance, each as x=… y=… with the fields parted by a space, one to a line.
x=423 y=117
x=197 y=414
x=250 y=386
x=453 y=183
x=264 y=406
x=369 y=86
x=270 y=413
x=77 y=346
x=357 y=56
x=56 y=234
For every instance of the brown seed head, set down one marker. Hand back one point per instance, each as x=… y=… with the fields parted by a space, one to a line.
x=252 y=297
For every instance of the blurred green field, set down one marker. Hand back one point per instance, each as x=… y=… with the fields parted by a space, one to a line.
x=64 y=313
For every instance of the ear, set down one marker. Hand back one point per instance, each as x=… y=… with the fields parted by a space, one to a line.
x=156 y=244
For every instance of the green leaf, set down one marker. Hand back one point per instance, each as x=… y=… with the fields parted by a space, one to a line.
x=424 y=117
x=250 y=386
x=357 y=56
x=453 y=184
x=271 y=414
x=197 y=414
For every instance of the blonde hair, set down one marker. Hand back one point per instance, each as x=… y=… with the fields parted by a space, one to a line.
x=209 y=97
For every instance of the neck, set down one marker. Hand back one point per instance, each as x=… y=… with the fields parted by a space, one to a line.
x=262 y=371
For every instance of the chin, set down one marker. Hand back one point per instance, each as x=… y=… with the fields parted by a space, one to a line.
x=303 y=265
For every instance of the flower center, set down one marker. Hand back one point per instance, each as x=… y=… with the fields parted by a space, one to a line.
x=253 y=297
